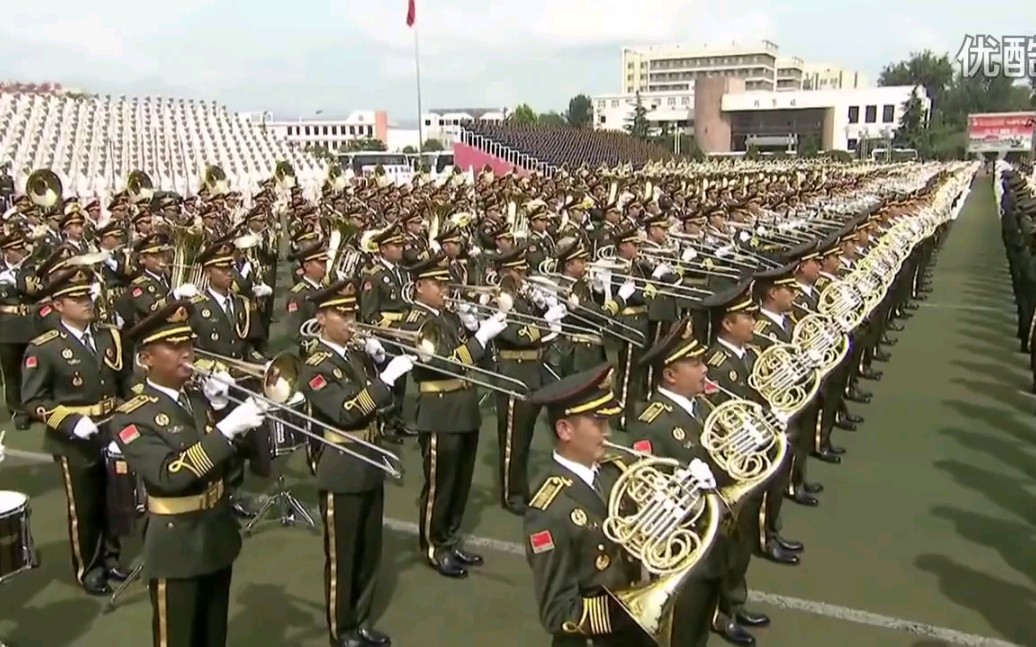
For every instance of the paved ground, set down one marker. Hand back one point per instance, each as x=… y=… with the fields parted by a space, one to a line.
x=924 y=536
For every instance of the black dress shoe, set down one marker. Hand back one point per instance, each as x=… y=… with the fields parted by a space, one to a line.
x=834 y=449
x=786 y=544
x=910 y=306
x=802 y=498
x=116 y=573
x=902 y=314
x=881 y=356
x=849 y=417
x=871 y=374
x=827 y=457
x=889 y=341
x=351 y=639
x=449 y=566
x=813 y=488
x=856 y=395
x=863 y=392
x=778 y=555
x=21 y=421
x=894 y=327
x=734 y=633
x=845 y=424
x=468 y=559
x=242 y=506
x=95 y=584
x=373 y=636
x=752 y=619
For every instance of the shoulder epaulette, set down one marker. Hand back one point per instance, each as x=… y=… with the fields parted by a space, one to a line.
x=140 y=280
x=717 y=358
x=199 y=298
x=44 y=338
x=317 y=358
x=129 y=406
x=548 y=492
x=415 y=316
x=760 y=325
x=653 y=410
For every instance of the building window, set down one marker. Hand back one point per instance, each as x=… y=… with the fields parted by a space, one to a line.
x=852 y=144
x=854 y=114
x=604 y=119
x=888 y=114
x=870 y=114
x=615 y=103
x=600 y=105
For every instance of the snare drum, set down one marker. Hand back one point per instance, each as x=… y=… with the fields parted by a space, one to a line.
x=17 y=548
x=126 y=498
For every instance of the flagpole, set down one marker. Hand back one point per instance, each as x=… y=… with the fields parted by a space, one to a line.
x=420 y=112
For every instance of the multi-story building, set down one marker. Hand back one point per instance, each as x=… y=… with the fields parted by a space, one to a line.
x=331 y=134
x=790 y=73
x=822 y=76
x=664 y=109
x=444 y=125
x=674 y=68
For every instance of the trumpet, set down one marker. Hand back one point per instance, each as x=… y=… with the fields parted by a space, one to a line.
x=280 y=386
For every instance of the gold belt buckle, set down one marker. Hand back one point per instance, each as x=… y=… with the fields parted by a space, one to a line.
x=212 y=496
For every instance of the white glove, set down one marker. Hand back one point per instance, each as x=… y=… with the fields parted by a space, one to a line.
x=474 y=251
x=489 y=329
x=119 y=321
x=7 y=278
x=84 y=428
x=661 y=270
x=185 y=291
x=627 y=289
x=113 y=449
x=3 y=453
x=469 y=321
x=261 y=290
x=95 y=291
x=689 y=254
x=702 y=474
x=216 y=389
x=484 y=298
x=539 y=299
x=464 y=308
x=398 y=367
x=435 y=246
x=245 y=416
x=555 y=314
x=374 y=348
x=112 y=263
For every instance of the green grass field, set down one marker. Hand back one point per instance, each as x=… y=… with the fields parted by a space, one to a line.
x=924 y=535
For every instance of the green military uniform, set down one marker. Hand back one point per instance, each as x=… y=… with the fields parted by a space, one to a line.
x=574 y=564
x=630 y=379
x=300 y=309
x=518 y=357
x=16 y=325
x=540 y=245
x=70 y=378
x=341 y=393
x=447 y=419
x=191 y=539
x=671 y=427
x=147 y=292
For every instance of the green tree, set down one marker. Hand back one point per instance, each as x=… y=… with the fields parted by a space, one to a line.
x=552 y=119
x=522 y=115
x=320 y=153
x=807 y=146
x=365 y=144
x=409 y=150
x=638 y=125
x=913 y=123
x=432 y=145
x=580 y=112
x=931 y=71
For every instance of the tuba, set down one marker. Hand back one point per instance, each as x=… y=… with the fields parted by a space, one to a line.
x=284 y=176
x=670 y=529
x=44 y=189
x=139 y=187
x=214 y=180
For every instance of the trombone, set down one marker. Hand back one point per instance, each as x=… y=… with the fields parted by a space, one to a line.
x=423 y=343
x=546 y=281
x=505 y=304
x=280 y=386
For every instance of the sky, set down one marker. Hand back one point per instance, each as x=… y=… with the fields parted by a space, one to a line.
x=298 y=57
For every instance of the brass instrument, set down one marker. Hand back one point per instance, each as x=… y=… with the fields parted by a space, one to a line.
x=335 y=179
x=784 y=377
x=187 y=242
x=139 y=187
x=743 y=441
x=214 y=181
x=284 y=176
x=280 y=380
x=44 y=188
x=671 y=528
x=842 y=302
x=821 y=340
x=423 y=344
x=344 y=260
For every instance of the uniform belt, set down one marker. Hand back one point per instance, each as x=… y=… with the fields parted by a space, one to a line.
x=14 y=310
x=442 y=386
x=340 y=436
x=594 y=340
x=633 y=310
x=101 y=409
x=520 y=355
x=207 y=500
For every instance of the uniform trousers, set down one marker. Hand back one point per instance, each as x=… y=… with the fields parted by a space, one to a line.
x=190 y=612
x=352 y=556
x=93 y=545
x=773 y=495
x=694 y=608
x=11 y=364
x=832 y=397
x=807 y=422
x=515 y=425
x=449 y=462
x=741 y=541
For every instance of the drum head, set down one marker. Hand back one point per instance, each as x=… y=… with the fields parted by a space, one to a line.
x=10 y=500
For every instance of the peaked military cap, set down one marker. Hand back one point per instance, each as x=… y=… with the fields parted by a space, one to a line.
x=656 y=220
x=436 y=267
x=502 y=230
x=626 y=235
x=152 y=244
x=514 y=259
x=74 y=282
x=679 y=344
x=169 y=324
x=312 y=252
x=801 y=253
x=587 y=393
x=570 y=249
x=113 y=228
x=391 y=235
x=14 y=240
x=450 y=234
x=340 y=296
x=783 y=276
x=735 y=299
x=218 y=254
x=57 y=260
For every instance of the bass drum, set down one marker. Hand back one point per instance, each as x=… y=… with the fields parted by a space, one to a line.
x=17 y=548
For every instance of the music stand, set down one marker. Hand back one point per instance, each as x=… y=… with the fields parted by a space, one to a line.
x=289 y=508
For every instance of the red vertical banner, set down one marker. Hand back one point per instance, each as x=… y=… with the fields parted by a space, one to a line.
x=411 y=13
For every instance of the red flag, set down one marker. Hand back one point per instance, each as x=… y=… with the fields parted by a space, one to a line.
x=411 y=13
